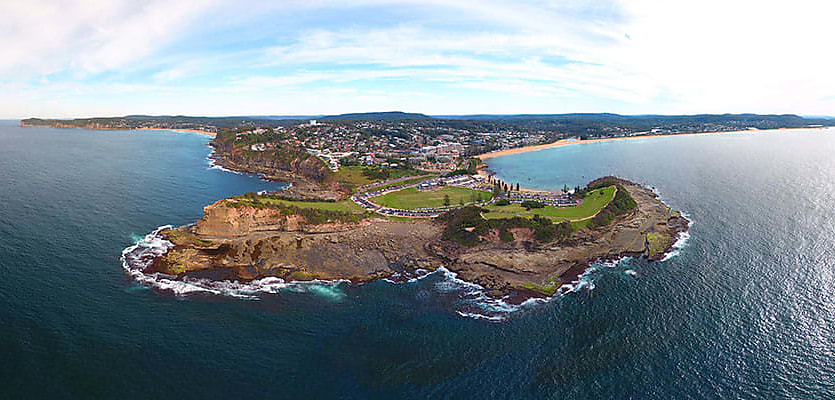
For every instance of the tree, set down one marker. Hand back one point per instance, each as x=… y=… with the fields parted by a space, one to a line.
x=446 y=200
x=529 y=204
x=497 y=189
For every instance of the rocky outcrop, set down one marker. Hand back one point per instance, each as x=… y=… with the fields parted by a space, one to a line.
x=247 y=243
x=297 y=168
x=224 y=219
x=370 y=250
x=286 y=164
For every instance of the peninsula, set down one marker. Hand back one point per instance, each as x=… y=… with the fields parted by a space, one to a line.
x=395 y=195
x=395 y=221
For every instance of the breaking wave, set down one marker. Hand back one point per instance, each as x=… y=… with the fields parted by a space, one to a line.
x=681 y=241
x=682 y=236
x=472 y=299
x=137 y=259
x=586 y=279
x=213 y=164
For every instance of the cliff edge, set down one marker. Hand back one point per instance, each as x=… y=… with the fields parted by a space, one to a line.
x=238 y=241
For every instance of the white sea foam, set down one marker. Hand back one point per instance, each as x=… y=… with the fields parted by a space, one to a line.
x=476 y=304
x=215 y=165
x=473 y=301
x=681 y=240
x=586 y=279
x=494 y=318
x=137 y=258
x=630 y=272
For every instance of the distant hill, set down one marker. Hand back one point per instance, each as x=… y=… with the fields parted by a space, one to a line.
x=608 y=117
x=378 y=116
x=575 y=124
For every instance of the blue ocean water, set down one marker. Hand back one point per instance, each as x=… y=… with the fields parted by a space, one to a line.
x=745 y=310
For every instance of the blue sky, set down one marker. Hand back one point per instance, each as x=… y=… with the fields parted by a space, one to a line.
x=218 y=57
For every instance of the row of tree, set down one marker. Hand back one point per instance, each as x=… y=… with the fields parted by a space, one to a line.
x=501 y=187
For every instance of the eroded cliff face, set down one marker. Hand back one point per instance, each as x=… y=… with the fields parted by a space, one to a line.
x=368 y=250
x=248 y=243
x=525 y=265
x=286 y=163
x=276 y=164
x=224 y=220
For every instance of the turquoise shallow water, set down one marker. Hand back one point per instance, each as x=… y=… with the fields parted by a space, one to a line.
x=744 y=311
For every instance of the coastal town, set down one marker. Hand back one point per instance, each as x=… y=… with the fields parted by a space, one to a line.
x=382 y=143
x=374 y=198
x=438 y=144
x=409 y=165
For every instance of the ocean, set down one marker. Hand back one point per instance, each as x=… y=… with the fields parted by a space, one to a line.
x=743 y=309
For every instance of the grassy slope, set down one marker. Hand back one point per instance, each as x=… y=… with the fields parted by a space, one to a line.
x=344 y=205
x=403 y=182
x=411 y=198
x=592 y=204
x=353 y=175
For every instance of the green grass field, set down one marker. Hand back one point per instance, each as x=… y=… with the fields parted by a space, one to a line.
x=353 y=175
x=411 y=198
x=344 y=205
x=403 y=182
x=592 y=204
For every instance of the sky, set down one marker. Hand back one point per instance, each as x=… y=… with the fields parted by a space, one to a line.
x=71 y=58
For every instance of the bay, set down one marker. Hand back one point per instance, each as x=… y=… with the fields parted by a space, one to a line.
x=744 y=310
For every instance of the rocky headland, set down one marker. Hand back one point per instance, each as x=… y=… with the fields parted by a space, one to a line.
x=237 y=240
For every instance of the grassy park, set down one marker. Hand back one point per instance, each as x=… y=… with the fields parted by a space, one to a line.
x=593 y=202
x=403 y=182
x=412 y=199
x=342 y=206
x=359 y=175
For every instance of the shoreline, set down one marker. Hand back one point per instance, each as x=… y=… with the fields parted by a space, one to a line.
x=212 y=134
x=566 y=142
x=381 y=249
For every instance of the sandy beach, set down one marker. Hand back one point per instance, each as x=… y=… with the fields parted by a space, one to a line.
x=565 y=142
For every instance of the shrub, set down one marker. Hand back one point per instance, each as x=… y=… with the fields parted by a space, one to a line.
x=464 y=225
x=505 y=235
x=529 y=204
x=621 y=204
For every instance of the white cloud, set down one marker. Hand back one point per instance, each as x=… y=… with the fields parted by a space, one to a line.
x=45 y=36
x=629 y=56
